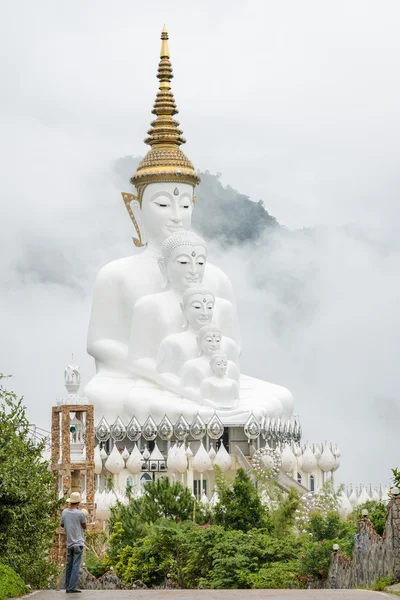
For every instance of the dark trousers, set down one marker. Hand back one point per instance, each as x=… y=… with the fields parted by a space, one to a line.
x=74 y=561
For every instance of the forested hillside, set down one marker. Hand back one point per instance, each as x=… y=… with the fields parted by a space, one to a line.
x=246 y=220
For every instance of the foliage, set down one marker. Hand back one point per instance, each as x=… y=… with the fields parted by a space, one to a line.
x=329 y=527
x=382 y=583
x=316 y=558
x=97 y=565
x=396 y=477
x=162 y=499
x=283 y=516
x=214 y=557
x=277 y=575
x=165 y=499
x=11 y=584
x=28 y=499
x=240 y=506
x=377 y=513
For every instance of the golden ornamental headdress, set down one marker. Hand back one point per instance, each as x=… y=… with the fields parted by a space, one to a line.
x=165 y=161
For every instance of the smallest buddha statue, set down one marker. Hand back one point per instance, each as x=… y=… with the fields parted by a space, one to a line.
x=219 y=388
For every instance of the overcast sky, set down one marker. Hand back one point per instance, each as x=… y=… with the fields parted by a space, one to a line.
x=295 y=103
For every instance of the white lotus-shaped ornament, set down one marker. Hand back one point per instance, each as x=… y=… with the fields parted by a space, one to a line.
x=135 y=460
x=204 y=500
x=317 y=452
x=345 y=507
x=222 y=459
x=327 y=460
x=156 y=459
x=171 y=458
x=125 y=454
x=115 y=463
x=201 y=461
x=363 y=497
x=353 y=497
x=211 y=453
x=181 y=459
x=309 y=462
x=289 y=461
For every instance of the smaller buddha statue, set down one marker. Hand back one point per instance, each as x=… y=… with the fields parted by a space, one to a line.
x=197 y=306
x=196 y=370
x=219 y=388
x=157 y=316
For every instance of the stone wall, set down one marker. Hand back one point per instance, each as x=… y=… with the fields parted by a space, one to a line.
x=373 y=556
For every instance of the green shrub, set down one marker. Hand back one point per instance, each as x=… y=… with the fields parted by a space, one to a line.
x=28 y=498
x=382 y=583
x=95 y=565
x=377 y=512
x=316 y=559
x=11 y=584
x=277 y=575
x=240 y=506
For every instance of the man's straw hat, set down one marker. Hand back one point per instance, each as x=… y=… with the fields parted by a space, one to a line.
x=75 y=498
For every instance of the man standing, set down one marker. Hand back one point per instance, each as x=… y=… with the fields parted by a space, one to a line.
x=74 y=522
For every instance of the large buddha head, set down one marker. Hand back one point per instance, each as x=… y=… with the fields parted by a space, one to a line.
x=183 y=260
x=165 y=178
x=197 y=306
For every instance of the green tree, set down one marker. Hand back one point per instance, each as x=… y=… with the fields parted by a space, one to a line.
x=239 y=505
x=377 y=513
x=396 y=477
x=283 y=516
x=28 y=502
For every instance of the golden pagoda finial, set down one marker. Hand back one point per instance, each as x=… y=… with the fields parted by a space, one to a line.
x=164 y=43
x=164 y=161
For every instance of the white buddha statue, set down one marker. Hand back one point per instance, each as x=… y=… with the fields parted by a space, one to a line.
x=219 y=388
x=197 y=369
x=156 y=316
x=163 y=204
x=197 y=306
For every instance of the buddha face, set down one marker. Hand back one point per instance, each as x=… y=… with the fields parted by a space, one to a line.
x=210 y=342
x=199 y=310
x=219 y=365
x=166 y=208
x=185 y=267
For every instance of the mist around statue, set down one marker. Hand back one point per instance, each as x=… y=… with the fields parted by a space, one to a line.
x=307 y=301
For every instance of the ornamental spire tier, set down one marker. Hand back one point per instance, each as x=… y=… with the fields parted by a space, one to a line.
x=165 y=161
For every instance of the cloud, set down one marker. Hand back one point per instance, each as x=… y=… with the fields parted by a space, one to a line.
x=297 y=105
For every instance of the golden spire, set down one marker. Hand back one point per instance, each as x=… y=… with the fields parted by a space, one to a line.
x=164 y=161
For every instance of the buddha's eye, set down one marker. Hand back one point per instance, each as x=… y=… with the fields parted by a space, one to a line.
x=183 y=262
x=185 y=206
x=162 y=205
x=200 y=262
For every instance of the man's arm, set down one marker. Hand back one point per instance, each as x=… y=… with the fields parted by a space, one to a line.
x=83 y=521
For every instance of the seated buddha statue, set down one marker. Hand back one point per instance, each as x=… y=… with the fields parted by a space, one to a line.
x=219 y=388
x=197 y=306
x=156 y=316
x=163 y=203
x=197 y=369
